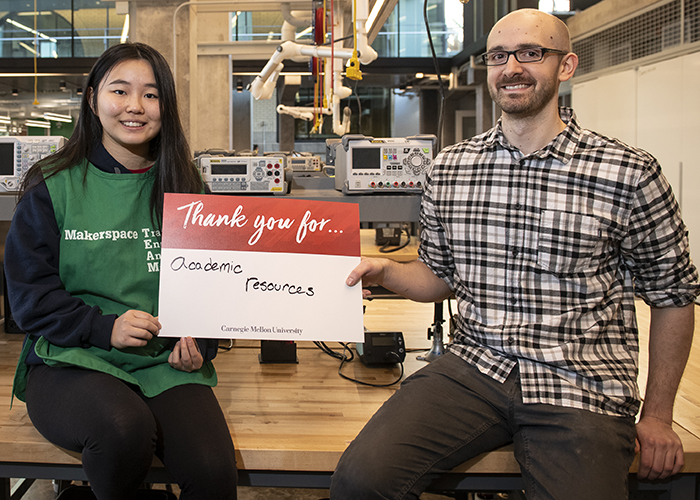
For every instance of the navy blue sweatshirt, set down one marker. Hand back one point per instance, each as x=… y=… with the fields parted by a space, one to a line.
x=38 y=300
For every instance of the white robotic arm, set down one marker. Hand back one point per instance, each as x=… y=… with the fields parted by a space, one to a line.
x=296 y=112
x=264 y=84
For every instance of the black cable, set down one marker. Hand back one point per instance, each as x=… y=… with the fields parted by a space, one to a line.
x=347 y=358
x=368 y=383
x=337 y=40
x=385 y=248
x=437 y=71
x=359 y=108
x=453 y=318
x=336 y=354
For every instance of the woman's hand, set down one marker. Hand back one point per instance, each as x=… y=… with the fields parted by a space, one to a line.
x=186 y=356
x=134 y=329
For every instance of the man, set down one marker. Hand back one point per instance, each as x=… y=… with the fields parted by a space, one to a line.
x=544 y=232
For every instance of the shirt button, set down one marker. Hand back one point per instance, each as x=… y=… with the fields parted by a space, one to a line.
x=518 y=206
x=514 y=252
x=511 y=340
x=513 y=300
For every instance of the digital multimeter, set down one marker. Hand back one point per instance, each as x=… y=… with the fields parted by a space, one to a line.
x=245 y=174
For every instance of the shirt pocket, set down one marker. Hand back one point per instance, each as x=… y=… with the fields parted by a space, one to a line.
x=567 y=242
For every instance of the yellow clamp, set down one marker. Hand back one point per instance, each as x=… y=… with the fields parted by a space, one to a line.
x=352 y=70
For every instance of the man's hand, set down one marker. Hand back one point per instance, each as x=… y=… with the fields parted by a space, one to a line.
x=661 y=449
x=413 y=280
x=369 y=271
x=670 y=338
x=134 y=329
x=186 y=356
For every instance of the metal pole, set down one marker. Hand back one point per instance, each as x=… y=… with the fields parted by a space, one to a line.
x=438 y=347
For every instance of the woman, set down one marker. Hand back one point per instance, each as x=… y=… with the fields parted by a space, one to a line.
x=81 y=264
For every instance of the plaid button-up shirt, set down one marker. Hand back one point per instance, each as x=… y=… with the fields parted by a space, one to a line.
x=545 y=253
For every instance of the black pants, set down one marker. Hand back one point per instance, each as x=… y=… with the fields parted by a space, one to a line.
x=449 y=412
x=118 y=430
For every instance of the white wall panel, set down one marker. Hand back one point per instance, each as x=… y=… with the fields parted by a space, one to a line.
x=608 y=105
x=657 y=108
x=690 y=155
x=660 y=111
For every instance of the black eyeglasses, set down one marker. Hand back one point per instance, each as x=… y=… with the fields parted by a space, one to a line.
x=529 y=55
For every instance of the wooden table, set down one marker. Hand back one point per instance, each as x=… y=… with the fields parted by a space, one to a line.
x=291 y=423
x=370 y=249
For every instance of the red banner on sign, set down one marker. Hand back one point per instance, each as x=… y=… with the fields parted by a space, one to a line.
x=241 y=223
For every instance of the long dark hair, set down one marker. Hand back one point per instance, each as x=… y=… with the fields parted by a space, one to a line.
x=175 y=170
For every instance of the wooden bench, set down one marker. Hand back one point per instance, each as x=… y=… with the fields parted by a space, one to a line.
x=291 y=423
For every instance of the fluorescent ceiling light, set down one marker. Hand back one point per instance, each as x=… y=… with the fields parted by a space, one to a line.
x=27 y=28
x=36 y=123
x=125 y=30
x=5 y=120
x=30 y=49
x=20 y=75
x=304 y=32
x=58 y=118
x=283 y=73
x=373 y=15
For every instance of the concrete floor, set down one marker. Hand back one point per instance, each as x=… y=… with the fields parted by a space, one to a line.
x=43 y=490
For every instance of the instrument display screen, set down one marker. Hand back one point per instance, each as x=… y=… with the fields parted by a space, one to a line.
x=7 y=158
x=383 y=341
x=365 y=158
x=229 y=168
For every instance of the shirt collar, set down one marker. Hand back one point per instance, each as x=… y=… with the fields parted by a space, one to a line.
x=562 y=147
x=100 y=157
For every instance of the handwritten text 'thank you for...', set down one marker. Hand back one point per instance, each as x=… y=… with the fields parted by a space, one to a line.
x=261 y=224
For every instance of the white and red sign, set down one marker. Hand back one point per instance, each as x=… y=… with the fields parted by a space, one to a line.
x=237 y=267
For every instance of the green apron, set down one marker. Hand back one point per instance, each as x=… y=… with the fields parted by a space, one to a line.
x=109 y=258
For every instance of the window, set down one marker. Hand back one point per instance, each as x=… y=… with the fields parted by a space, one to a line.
x=261 y=26
x=404 y=34
x=62 y=28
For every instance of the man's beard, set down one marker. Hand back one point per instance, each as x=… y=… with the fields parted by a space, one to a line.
x=540 y=94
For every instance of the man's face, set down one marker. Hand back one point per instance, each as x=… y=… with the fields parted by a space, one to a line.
x=524 y=89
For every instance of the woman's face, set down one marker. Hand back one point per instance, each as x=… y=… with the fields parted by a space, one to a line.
x=128 y=109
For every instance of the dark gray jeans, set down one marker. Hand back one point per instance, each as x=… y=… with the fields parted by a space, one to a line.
x=449 y=412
